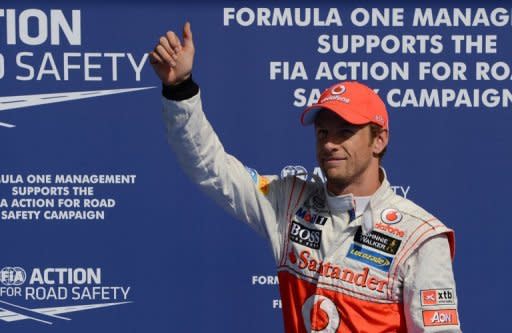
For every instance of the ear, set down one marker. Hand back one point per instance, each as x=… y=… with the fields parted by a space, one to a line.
x=380 y=141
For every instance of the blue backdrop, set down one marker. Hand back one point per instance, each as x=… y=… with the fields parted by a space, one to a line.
x=181 y=263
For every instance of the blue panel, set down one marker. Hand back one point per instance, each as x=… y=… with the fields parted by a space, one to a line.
x=156 y=254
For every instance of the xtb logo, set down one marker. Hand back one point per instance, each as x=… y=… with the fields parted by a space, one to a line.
x=437 y=296
x=320 y=315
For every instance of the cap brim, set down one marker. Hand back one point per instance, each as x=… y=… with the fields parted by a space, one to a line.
x=309 y=115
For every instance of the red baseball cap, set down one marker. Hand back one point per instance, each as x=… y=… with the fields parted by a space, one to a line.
x=352 y=101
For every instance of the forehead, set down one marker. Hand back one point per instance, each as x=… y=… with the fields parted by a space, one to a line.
x=328 y=118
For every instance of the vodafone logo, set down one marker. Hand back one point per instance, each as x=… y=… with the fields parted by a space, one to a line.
x=390 y=216
x=320 y=315
x=338 y=90
x=390 y=229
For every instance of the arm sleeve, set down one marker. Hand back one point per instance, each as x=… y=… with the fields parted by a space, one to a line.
x=241 y=191
x=430 y=300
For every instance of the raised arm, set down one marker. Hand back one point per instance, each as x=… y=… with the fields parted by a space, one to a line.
x=241 y=191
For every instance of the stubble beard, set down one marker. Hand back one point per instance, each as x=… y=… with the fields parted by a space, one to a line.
x=342 y=179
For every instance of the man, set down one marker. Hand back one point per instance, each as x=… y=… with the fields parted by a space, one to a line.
x=351 y=255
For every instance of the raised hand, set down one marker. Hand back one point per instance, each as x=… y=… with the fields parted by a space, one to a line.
x=171 y=59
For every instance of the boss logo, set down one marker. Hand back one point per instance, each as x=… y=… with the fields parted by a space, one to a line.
x=305 y=236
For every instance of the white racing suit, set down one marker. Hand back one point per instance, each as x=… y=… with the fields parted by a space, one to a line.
x=387 y=270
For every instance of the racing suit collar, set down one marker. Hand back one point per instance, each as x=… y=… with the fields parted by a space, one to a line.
x=372 y=213
x=339 y=203
x=346 y=203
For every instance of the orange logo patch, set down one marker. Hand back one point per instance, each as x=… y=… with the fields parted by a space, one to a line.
x=429 y=297
x=441 y=317
x=263 y=184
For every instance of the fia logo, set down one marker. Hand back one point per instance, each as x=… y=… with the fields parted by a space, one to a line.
x=12 y=276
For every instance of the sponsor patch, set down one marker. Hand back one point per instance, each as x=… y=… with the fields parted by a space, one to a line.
x=444 y=296
x=390 y=216
x=305 y=236
x=378 y=241
x=392 y=230
x=363 y=278
x=253 y=174
x=263 y=183
x=306 y=215
x=441 y=317
x=369 y=257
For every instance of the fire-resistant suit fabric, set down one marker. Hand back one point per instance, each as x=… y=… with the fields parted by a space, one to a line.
x=387 y=269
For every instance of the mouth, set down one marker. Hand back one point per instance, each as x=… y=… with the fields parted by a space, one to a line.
x=333 y=161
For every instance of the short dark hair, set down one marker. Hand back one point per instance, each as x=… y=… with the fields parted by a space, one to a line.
x=374 y=132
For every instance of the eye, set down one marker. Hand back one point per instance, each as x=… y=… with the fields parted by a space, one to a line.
x=321 y=133
x=346 y=131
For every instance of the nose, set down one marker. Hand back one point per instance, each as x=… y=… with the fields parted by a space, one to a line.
x=329 y=144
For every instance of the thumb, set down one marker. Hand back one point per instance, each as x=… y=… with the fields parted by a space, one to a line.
x=187 y=35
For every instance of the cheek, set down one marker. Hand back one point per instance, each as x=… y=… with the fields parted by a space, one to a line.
x=358 y=151
x=317 y=154
x=363 y=141
x=319 y=148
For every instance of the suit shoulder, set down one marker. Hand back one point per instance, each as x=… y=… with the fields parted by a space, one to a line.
x=414 y=213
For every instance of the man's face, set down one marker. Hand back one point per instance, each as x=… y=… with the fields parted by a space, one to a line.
x=345 y=152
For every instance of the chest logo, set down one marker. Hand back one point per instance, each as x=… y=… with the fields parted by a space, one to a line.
x=305 y=236
x=390 y=216
x=306 y=215
x=320 y=315
x=308 y=264
x=372 y=258
x=378 y=241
